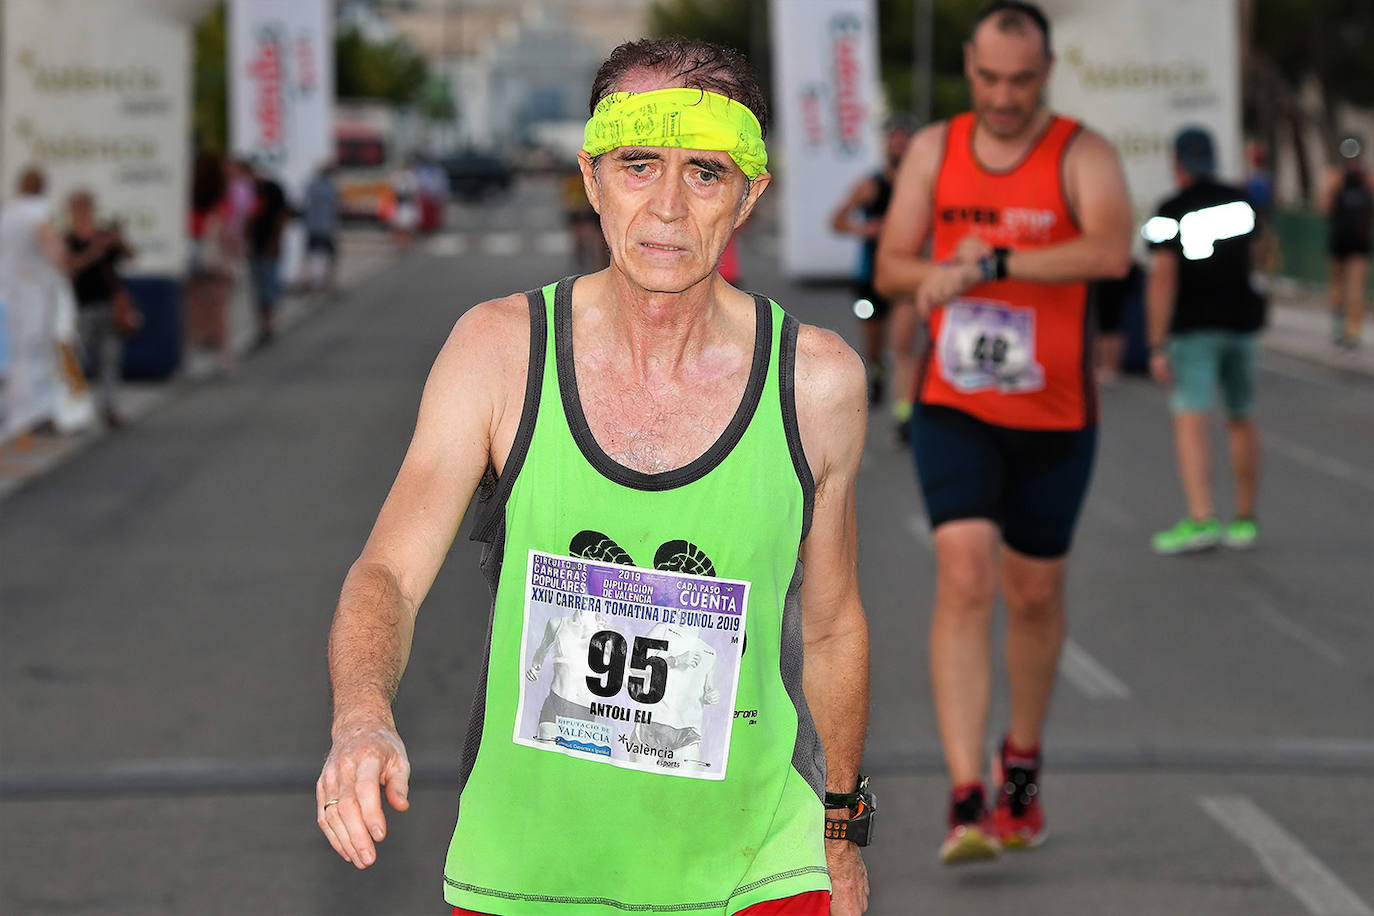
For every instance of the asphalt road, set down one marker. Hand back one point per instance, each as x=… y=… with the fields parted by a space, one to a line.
x=165 y=594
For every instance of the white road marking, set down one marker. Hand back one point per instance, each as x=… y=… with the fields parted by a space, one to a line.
x=447 y=246
x=1265 y=610
x=554 y=243
x=920 y=529
x=1311 y=458
x=1285 y=859
x=1293 y=368
x=1088 y=675
x=502 y=244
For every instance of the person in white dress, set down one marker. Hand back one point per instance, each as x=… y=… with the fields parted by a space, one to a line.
x=32 y=272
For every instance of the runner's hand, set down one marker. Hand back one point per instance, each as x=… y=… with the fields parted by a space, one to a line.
x=971 y=248
x=365 y=757
x=848 y=878
x=946 y=282
x=710 y=697
x=1159 y=368
x=533 y=673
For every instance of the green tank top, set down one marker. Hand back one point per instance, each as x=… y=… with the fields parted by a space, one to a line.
x=639 y=741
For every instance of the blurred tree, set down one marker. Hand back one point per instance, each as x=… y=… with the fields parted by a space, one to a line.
x=1297 y=44
x=391 y=70
x=210 y=92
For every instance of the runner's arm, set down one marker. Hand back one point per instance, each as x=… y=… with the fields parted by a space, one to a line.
x=831 y=414
x=1326 y=196
x=901 y=266
x=461 y=415
x=1160 y=292
x=842 y=220
x=1096 y=189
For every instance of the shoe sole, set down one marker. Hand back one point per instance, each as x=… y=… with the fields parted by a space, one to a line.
x=1239 y=545
x=1194 y=547
x=1020 y=843
x=972 y=846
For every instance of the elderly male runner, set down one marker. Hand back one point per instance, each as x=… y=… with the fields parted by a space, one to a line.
x=660 y=448
x=1021 y=206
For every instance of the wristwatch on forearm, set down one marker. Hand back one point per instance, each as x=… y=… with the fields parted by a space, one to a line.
x=861 y=805
x=994 y=266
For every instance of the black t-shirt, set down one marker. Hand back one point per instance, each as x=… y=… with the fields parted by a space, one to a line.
x=1210 y=227
x=874 y=209
x=265 y=224
x=94 y=284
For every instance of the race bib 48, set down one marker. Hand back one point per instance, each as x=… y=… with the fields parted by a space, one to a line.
x=985 y=344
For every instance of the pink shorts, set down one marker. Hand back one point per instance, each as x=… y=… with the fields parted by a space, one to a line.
x=812 y=903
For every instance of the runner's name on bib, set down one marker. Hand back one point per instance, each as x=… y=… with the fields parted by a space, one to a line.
x=985 y=344
x=629 y=666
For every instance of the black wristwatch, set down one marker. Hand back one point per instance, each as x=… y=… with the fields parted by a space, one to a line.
x=994 y=266
x=862 y=804
x=999 y=258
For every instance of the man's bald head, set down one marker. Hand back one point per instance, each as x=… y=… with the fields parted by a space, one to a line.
x=1013 y=18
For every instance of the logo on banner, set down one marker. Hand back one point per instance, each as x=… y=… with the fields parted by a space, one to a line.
x=846 y=33
x=268 y=85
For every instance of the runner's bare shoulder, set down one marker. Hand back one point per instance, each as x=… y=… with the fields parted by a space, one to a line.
x=479 y=376
x=1089 y=146
x=831 y=394
x=926 y=150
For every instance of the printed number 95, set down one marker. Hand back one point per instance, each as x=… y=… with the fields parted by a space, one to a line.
x=606 y=656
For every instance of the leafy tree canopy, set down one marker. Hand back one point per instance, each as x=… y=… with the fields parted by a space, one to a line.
x=391 y=70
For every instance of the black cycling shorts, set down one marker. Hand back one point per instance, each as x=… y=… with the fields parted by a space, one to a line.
x=1342 y=248
x=1030 y=483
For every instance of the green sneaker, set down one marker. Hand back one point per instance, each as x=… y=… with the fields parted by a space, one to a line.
x=1187 y=536
x=1241 y=534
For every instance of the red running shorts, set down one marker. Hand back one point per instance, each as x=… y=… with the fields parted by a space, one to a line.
x=812 y=903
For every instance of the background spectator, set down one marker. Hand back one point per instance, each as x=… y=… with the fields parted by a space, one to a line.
x=1348 y=201
x=213 y=267
x=264 y=230
x=94 y=253
x=32 y=262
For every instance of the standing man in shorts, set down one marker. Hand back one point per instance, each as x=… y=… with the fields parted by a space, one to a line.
x=1022 y=207
x=1204 y=317
x=658 y=447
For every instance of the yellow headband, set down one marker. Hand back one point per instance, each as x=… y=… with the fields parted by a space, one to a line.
x=678 y=118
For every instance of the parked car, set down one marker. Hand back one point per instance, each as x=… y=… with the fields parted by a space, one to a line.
x=473 y=174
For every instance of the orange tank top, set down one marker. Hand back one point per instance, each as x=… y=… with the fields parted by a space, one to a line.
x=1011 y=353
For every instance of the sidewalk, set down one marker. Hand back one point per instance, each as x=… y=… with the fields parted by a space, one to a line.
x=1300 y=326
x=362 y=254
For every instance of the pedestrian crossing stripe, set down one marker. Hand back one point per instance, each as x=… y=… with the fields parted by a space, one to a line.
x=499 y=244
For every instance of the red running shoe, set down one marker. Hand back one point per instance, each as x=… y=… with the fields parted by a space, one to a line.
x=972 y=834
x=1018 y=819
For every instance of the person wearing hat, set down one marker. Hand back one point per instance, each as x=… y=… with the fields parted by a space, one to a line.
x=1203 y=317
x=1348 y=201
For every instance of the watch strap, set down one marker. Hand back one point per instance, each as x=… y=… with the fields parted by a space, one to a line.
x=850 y=800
